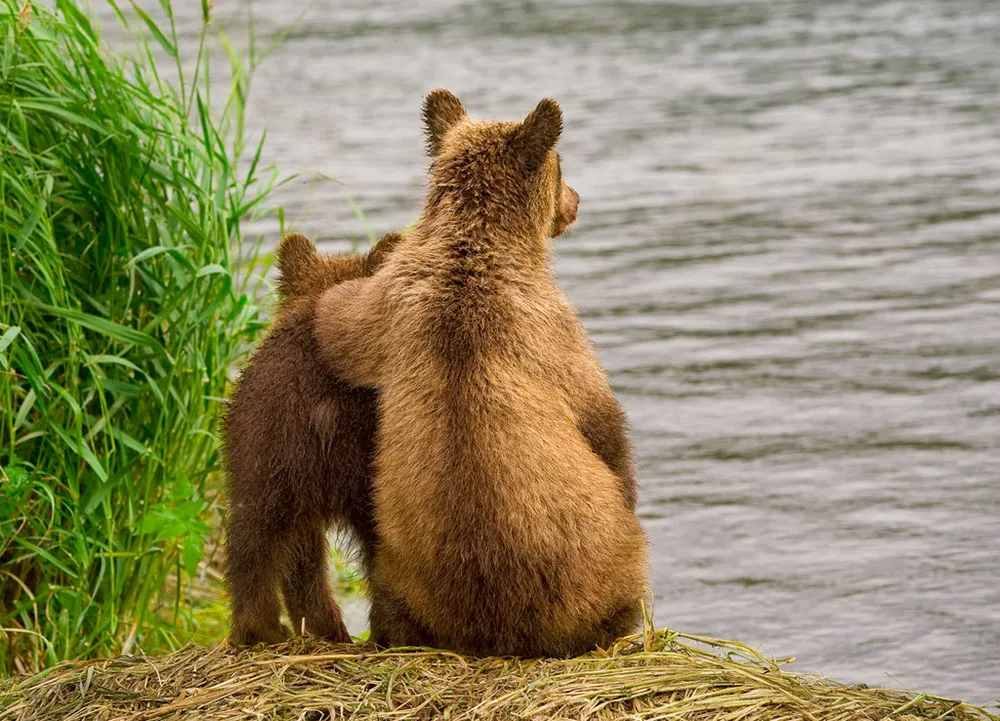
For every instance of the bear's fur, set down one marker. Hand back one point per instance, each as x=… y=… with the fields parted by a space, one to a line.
x=297 y=445
x=504 y=492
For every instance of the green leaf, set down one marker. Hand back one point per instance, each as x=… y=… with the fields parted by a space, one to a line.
x=153 y=252
x=126 y=388
x=102 y=325
x=15 y=475
x=25 y=409
x=167 y=46
x=181 y=488
x=192 y=550
x=91 y=460
x=130 y=442
x=8 y=49
x=78 y=18
x=39 y=551
x=6 y=339
x=172 y=527
x=120 y=388
x=212 y=269
x=154 y=520
x=28 y=227
x=61 y=113
x=113 y=359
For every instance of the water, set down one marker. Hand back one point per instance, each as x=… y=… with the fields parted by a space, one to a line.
x=788 y=256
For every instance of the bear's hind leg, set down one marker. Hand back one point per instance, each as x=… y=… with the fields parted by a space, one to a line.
x=306 y=584
x=252 y=560
x=622 y=622
x=391 y=623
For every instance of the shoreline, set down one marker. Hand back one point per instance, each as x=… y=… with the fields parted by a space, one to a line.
x=655 y=674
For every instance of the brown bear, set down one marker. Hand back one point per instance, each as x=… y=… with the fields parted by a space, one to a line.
x=297 y=446
x=504 y=494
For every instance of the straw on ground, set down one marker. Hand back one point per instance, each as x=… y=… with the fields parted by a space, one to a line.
x=662 y=675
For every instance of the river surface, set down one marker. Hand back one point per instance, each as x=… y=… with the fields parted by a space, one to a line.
x=787 y=255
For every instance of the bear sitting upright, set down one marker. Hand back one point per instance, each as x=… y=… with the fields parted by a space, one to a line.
x=297 y=445
x=504 y=494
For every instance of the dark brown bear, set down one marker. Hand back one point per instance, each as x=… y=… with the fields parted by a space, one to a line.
x=298 y=448
x=503 y=493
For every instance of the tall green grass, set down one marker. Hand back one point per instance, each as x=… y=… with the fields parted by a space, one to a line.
x=123 y=196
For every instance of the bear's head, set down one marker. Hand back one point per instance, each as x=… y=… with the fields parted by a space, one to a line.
x=503 y=176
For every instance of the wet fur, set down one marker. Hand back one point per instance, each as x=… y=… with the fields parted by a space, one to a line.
x=504 y=490
x=298 y=446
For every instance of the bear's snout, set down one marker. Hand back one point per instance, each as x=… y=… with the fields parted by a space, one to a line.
x=569 y=202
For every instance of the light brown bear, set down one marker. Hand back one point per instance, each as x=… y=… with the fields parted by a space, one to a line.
x=298 y=446
x=504 y=494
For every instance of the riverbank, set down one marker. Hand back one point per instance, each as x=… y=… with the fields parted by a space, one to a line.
x=655 y=675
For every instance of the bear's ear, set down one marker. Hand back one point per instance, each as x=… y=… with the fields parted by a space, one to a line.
x=538 y=134
x=442 y=111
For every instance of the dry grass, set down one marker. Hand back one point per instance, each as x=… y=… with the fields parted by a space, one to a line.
x=662 y=675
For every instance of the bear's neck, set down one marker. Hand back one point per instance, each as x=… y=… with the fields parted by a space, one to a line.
x=487 y=239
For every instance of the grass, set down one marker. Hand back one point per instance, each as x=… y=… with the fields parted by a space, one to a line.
x=123 y=200
x=661 y=675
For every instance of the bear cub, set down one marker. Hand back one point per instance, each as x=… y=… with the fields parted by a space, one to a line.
x=504 y=490
x=297 y=448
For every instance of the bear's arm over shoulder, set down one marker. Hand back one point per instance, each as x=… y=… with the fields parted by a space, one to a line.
x=375 y=258
x=350 y=325
x=602 y=421
x=600 y=417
